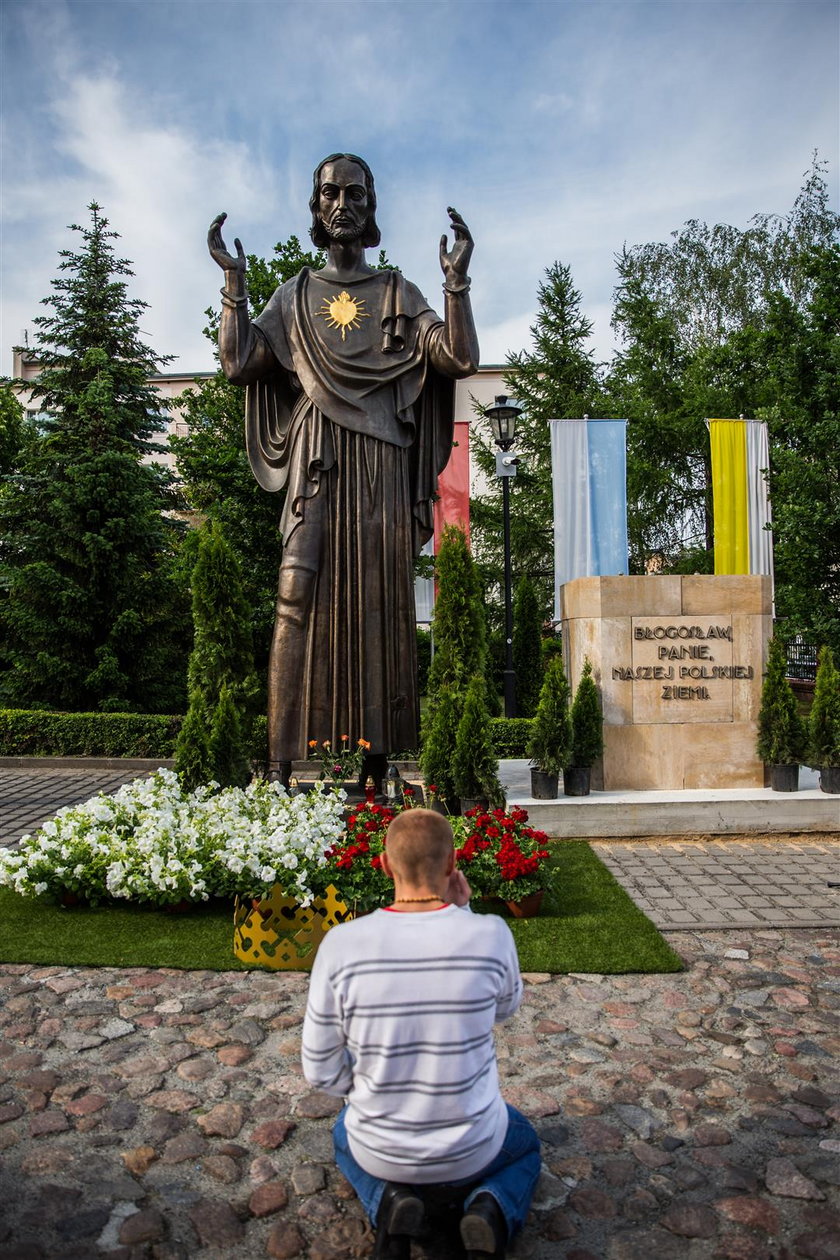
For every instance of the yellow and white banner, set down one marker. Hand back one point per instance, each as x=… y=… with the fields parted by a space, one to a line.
x=740 y=455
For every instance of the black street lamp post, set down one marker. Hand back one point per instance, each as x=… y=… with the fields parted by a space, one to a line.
x=503 y=416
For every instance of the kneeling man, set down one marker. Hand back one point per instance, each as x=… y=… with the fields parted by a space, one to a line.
x=400 y=1022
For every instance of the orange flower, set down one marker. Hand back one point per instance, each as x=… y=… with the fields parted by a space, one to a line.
x=365 y=743
x=313 y=743
x=344 y=739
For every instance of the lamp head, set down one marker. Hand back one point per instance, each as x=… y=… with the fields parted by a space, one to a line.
x=503 y=416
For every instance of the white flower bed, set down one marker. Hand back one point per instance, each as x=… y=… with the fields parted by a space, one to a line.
x=152 y=842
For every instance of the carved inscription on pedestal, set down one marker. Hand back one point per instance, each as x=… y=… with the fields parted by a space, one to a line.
x=681 y=669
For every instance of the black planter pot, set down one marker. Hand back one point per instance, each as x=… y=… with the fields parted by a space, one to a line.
x=576 y=780
x=471 y=802
x=543 y=785
x=784 y=778
x=830 y=779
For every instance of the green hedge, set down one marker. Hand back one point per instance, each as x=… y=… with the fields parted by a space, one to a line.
x=37 y=733
x=510 y=736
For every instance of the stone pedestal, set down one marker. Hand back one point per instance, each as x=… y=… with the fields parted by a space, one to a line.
x=679 y=664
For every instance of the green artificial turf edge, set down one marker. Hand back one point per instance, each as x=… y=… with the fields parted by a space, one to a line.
x=588 y=924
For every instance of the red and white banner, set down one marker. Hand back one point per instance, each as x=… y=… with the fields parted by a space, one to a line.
x=453 y=504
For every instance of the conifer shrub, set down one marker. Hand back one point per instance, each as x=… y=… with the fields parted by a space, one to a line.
x=586 y=721
x=216 y=735
x=459 y=636
x=228 y=753
x=551 y=731
x=440 y=728
x=192 y=749
x=781 y=732
x=824 y=722
x=475 y=767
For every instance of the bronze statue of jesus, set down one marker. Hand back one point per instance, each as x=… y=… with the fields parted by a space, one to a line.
x=349 y=407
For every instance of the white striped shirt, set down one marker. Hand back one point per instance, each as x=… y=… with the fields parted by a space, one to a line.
x=400 y=1021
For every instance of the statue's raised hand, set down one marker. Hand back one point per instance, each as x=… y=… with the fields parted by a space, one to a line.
x=455 y=262
x=219 y=251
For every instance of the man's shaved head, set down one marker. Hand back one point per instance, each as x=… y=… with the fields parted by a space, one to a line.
x=419 y=845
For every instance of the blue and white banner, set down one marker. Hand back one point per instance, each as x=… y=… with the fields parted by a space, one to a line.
x=589 y=481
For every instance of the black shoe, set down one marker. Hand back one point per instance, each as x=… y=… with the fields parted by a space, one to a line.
x=400 y=1219
x=483 y=1228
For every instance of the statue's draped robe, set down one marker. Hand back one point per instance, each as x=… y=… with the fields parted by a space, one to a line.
x=356 y=428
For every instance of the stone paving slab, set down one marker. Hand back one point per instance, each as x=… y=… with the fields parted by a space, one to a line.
x=781 y=882
x=159 y=1115
x=29 y=797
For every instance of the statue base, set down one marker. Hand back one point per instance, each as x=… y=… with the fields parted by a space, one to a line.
x=679 y=664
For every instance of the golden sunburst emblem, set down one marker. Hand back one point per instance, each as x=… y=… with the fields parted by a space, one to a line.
x=344 y=312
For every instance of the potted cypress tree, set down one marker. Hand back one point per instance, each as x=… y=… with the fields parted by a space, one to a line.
x=781 y=739
x=824 y=723
x=587 y=735
x=551 y=732
x=475 y=766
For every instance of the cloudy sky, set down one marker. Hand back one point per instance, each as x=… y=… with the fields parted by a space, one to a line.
x=559 y=129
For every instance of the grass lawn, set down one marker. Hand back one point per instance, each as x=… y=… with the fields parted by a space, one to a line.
x=588 y=923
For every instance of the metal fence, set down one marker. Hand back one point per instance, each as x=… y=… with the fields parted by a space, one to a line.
x=801 y=659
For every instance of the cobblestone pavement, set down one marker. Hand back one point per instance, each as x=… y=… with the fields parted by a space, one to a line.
x=774 y=881
x=30 y=797
x=162 y=1114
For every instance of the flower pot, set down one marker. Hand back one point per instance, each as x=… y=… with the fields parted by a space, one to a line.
x=830 y=779
x=473 y=802
x=528 y=906
x=543 y=785
x=784 y=778
x=178 y=907
x=576 y=780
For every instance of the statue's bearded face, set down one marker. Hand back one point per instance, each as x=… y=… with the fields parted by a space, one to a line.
x=343 y=204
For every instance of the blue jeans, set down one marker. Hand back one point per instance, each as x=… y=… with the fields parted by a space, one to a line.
x=511 y=1178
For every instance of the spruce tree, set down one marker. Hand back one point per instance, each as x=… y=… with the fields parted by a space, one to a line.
x=558 y=378
x=90 y=618
x=527 y=647
x=215 y=737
